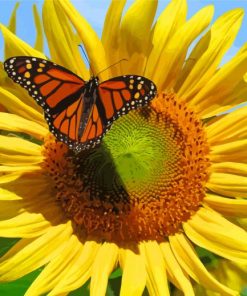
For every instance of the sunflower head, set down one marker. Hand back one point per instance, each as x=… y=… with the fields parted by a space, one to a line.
x=146 y=178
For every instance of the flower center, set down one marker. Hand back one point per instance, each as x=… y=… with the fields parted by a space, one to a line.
x=145 y=179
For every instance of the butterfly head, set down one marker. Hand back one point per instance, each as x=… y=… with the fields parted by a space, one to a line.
x=93 y=82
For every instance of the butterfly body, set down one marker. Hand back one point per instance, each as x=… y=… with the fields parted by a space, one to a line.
x=78 y=113
x=90 y=98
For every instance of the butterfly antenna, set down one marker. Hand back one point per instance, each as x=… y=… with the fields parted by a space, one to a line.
x=84 y=53
x=111 y=66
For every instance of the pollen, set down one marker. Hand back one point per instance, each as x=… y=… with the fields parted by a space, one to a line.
x=143 y=182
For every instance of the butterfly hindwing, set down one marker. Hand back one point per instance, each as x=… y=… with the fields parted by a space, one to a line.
x=121 y=94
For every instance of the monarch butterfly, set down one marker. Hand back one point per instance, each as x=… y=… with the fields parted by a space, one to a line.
x=78 y=113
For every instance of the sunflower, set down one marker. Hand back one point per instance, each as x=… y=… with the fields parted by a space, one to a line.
x=167 y=178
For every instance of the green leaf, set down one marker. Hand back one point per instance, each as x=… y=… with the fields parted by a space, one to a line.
x=209 y=259
x=17 y=287
x=21 y=135
x=244 y=292
x=110 y=291
x=82 y=291
x=116 y=273
x=114 y=286
x=6 y=244
x=20 y=286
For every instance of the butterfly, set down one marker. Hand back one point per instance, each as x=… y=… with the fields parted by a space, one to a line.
x=78 y=112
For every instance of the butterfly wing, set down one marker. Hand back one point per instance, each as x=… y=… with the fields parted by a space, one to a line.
x=121 y=94
x=57 y=90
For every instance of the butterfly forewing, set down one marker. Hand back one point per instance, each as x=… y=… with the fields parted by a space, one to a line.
x=121 y=94
x=48 y=83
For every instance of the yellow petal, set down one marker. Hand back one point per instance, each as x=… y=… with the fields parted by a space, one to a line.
x=207 y=54
x=230 y=127
x=243 y=222
x=111 y=35
x=230 y=167
x=8 y=195
x=21 y=93
x=224 y=232
x=23 y=186
x=139 y=15
x=239 y=93
x=227 y=206
x=228 y=184
x=79 y=270
x=29 y=193
x=20 y=260
x=22 y=169
x=172 y=56
x=57 y=30
x=16 y=47
x=30 y=201
x=12 y=21
x=133 y=266
x=170 y=20
x=219 y=249
x=178 y=276
x=232 y=274
x=14 y=145
x=16 y=106
x=155 y=266
x=93 y=45
x=233 y=151
x=104 y=263
x=133 y=39
x=15 y=123
x=55 y=269
x=9 y=177
x=190 y=262
x=13 y=160
x=28 y=213
x=25 y=225
x=10 y=209
x=39 y=42
x=210 y=100
x=135 y=63
x=229 y=253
